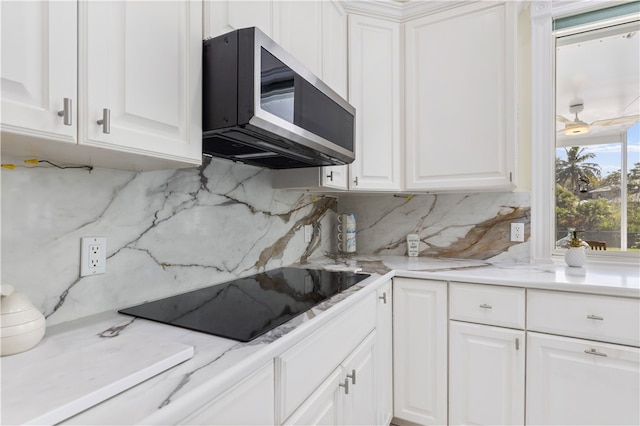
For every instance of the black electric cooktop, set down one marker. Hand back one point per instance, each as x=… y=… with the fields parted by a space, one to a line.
x=246 y=308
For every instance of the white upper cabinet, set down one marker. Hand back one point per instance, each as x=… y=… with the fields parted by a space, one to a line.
x=135 y=66
x=375 y=92
x=138 y=62
x=39 y=67
x=220 y=17
x=461 y=105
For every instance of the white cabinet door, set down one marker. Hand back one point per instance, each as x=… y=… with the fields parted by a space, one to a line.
x=141 y=61
x=486 y=375
x=360 y=369
x=384 y=355
x=461 y=108
x=251 y=402
x=297 y=27
x=322 y=407
x=39 y=68
x=375 y=92
x=573 y=381
x=220 y=17
x=420 y=350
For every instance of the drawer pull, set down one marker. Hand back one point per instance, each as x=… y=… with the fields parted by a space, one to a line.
x=485 y=306
x=352 y=376
x=595 y=317
x=517 y=344
x=345 y=385
x=594 y=352
x=383 y=297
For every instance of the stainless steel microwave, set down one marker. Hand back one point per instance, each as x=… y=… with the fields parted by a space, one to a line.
x=262 y=107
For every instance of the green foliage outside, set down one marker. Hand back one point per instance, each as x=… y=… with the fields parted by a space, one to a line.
x=587 y=202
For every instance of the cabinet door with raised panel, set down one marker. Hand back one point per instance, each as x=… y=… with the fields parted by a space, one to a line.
x=375 y=92
x=39 y=68
x=360 y=370
x=220 y=17
x=420 y=351
x=140 y=77
x=384 y=355
x=486 y=375
x=460 y=110
x=323 y=406
x=581 y=382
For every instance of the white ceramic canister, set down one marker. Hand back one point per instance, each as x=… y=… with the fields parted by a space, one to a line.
x=347 y=233
x=22 y=326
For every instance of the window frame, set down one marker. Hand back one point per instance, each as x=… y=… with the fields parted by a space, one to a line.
x=543 y=129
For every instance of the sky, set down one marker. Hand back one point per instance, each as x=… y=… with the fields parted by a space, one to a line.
x=608 y=156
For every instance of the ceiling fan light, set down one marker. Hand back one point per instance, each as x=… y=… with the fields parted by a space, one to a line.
x=572 y=129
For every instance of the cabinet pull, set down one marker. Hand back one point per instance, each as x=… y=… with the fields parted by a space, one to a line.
x=594 y=352
x=106 y=121
x=383 y=297
x=595 y=317
x=66 y=112
x=352 y=376
x=355 y=181
x=517 y=344
x=345 y=385
x=485 y=306
x=330 y=176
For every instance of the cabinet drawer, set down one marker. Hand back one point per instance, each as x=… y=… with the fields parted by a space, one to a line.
x=603 y=318
x=486 y=304
x=305 y=366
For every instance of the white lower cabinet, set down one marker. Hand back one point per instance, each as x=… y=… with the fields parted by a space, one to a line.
x=581 y=382
x=231 y=408
x=384 y=355
x=420 y=351
x=486 y=374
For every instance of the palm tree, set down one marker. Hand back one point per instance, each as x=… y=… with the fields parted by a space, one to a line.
x=575 y=173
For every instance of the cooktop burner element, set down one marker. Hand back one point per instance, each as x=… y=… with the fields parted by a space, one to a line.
x=246 y=308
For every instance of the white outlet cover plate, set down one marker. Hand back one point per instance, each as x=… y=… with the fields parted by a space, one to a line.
x=517 y=232
x=85 y=269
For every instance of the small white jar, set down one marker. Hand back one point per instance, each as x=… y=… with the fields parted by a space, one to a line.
x=22 y=326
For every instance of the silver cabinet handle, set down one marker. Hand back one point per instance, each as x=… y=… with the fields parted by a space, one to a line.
x=594 y=352
x=517 y=344
x=595 y=317
x=485 y=306
x=106 y=121
x=330 y=176
x=67 y=112
x=355 y=181
x=383 y=297
x=352 y=376
x=345 y=385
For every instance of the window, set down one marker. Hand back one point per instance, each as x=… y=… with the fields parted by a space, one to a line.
x=597 y=156
x=545 y=31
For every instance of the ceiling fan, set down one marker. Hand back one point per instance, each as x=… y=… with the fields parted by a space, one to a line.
x=579 y=127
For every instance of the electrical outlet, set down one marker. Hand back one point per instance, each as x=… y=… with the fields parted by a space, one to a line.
x=517 y=232
x=93 y=256
x=308 y=233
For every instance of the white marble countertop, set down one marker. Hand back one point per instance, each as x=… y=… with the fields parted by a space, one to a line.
x=218 y=363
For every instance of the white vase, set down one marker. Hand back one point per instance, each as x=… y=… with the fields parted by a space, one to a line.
x=575 y=257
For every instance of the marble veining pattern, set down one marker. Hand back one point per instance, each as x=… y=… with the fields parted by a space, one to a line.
x=167 y=232
x=466 y=226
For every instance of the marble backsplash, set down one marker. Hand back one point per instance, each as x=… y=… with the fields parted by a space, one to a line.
x=176 y=230
x=466 y=226
x=167 y=232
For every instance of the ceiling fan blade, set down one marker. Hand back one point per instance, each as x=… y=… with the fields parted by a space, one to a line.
x=562 y=119
x=630 y=119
